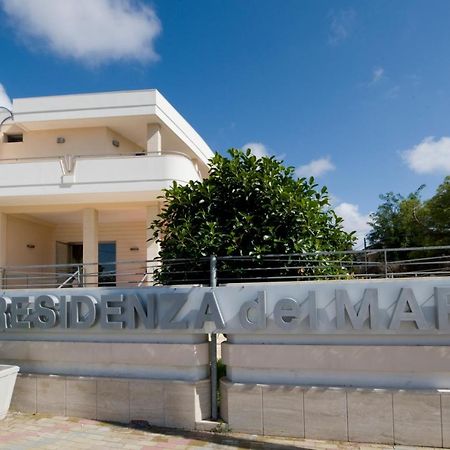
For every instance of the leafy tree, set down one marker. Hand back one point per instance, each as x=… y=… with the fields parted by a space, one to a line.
x=410 y=222
x=402 y=222
x=395 y=222
x=435 y=215
x=247 y=206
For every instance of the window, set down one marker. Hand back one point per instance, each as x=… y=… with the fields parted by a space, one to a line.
x=13 y=138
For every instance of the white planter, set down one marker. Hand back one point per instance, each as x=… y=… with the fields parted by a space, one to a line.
x=8 y=375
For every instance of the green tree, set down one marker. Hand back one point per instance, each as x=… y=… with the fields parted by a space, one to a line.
x=410 y=222
x=395 y=223
x=247 y=206
x=435 y=215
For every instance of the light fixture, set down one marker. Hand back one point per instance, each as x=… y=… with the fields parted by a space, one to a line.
x=116 y=143
x=31 y=246
x=60 y=140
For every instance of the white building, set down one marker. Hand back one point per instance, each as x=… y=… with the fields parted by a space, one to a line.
x=80 y=177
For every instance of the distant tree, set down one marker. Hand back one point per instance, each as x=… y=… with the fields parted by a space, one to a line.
x=395 y=223
x=410 y=222
x=435 y=215
x=247 y=206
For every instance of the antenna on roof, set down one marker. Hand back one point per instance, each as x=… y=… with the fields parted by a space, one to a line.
x=10 y=116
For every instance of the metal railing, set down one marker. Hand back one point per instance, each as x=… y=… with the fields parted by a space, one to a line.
x=363 y=264
x=68 y=162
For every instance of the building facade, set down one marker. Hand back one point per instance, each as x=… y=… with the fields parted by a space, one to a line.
x=80 y=177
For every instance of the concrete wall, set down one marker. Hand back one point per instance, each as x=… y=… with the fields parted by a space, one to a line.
x=21 y=232
x=78 y=141
x=386 y=416
x=125 y=235
x=167 y=403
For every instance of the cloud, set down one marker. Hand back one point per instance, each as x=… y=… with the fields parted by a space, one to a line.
x=90 y=31
x=4 y=98
x=430 y=156
x=341 y=25
x=257 y=148
x=377 y=75
x=315 y=168
x=354 y=220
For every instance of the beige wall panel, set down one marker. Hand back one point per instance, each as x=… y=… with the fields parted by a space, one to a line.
x=325 y=414
x=417 y=418
x=283 y=411
x=82 y=141
x=245 y=412
x=370 y=416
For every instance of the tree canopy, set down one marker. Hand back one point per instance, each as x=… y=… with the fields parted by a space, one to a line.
x=247 y=206
x=401 y=222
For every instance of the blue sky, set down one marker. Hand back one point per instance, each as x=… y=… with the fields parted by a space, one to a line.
x=355 y=92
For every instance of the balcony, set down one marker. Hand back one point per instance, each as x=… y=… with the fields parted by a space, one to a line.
x=83 y=178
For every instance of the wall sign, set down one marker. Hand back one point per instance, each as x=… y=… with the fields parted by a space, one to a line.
x=328 y=307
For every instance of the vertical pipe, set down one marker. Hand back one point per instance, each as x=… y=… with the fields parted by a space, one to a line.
x=385 y=264
x=365 y=255
x=213 y=344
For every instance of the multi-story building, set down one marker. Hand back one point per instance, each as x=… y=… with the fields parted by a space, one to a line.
x=80 y=177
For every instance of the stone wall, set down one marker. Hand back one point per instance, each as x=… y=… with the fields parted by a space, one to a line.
x=386 y=416
x=169 y=403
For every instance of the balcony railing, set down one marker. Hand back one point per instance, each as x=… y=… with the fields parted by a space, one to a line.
x=314 y=266
x=96 y=173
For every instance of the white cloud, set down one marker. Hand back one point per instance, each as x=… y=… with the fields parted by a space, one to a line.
x=315 y=168
x=4 y=98
x=257 y=148
x=430 y=156
x=354 y=220
x=341 y=25
x=377 y=75
x=91 y=31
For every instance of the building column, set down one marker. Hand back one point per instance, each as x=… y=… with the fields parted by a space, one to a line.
x=90 y=246
x=3 y=243
x=152 y=247
x=154 y=138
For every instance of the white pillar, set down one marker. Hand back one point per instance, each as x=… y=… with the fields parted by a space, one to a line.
x=3 y=243
x=154 y=138
x=90 y=246
x=152 y=247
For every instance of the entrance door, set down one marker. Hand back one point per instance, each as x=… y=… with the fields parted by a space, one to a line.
x=72 y=253
x=107 y=264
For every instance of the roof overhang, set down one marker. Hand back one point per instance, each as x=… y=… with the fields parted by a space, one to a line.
x=128 y=112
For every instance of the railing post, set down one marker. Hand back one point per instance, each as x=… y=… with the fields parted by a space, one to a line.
x=385 y=264
x=213 y=344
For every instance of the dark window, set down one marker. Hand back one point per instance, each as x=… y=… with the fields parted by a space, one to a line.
x=14 y=138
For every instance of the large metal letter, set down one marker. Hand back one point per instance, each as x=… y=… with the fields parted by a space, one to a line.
x=145 y=314
x=173 y=303
x=112 y=312
x=252 y=314
x=20 y=312
x=4 y=303
x=45 y=315
x=209 y=312
x=286 y=313
x=367 y=310
x=79 y=320
x=442 y=298
x=406 y=300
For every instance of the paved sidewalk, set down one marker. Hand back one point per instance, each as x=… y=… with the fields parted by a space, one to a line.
x=26 y=431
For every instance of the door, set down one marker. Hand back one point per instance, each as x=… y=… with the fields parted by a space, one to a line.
x=72 y=253
x=107 y=264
